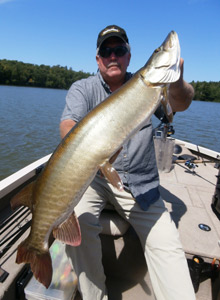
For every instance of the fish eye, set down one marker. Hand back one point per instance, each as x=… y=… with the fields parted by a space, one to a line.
x=157 y=50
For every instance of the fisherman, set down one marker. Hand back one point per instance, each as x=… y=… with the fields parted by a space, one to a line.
x=140 y=203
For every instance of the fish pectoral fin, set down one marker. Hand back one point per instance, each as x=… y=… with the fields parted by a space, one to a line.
x=111 y=175
x=113 y=158
x=23 y=197
x=69 y=232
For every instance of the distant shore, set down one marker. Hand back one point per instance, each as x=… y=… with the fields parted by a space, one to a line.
x=17 y=73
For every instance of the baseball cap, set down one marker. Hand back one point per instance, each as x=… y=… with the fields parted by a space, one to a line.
x=109 y=31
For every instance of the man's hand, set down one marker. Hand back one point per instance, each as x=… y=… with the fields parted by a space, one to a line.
x=180 y=92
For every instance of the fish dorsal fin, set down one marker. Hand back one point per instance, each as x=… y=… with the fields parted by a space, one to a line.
x=111 y=175
x=23 y=197
x=69 y=232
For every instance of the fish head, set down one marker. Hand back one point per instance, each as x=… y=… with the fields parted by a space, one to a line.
x=163 y=67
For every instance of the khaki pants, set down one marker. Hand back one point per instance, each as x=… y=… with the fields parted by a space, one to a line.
x=158 y=236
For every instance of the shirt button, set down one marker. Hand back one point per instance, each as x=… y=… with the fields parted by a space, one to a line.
x=125 y=155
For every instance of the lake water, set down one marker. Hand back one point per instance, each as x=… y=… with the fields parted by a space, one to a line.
x=29 y=127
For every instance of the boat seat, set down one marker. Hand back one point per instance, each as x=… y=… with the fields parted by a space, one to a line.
x=112 y=223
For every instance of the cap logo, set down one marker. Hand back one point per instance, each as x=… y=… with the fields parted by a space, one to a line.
x=110 y=30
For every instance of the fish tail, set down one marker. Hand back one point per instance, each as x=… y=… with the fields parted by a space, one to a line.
x=41 y=264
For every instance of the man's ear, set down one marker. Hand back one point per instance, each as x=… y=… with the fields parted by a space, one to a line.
x=97 y=60
x=129 y=58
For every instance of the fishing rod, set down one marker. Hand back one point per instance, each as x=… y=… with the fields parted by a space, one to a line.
x=3 y=273
x=19 y=233
x=5 y=239
x=15 y=220
x=8 y=220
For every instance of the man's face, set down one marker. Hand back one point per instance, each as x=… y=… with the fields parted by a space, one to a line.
x=113 y=68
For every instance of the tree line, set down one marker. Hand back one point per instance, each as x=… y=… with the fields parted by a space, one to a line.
x=207 y=91
x=14 y=72
x=17 y=73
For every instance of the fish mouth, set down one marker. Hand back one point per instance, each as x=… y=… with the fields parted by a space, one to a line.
x=170 y=41
x=163 y=65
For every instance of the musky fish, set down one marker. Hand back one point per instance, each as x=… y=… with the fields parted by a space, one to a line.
x=87 y=148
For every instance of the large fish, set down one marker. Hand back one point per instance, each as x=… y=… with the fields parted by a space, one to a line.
x=87 y=148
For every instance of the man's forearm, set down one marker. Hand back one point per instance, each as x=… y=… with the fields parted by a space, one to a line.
x=65 y=127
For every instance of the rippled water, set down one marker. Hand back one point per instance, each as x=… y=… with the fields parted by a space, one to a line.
x=29 y=127
x=199 y=124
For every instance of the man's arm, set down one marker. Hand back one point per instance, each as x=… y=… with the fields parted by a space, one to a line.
x=66 y=126
x=180 y=93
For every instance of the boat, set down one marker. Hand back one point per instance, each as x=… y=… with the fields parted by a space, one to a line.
x=190 y=187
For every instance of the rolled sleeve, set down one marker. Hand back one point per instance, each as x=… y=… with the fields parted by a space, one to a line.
x=76 y=107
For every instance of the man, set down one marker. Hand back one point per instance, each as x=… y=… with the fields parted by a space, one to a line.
x=140 y=203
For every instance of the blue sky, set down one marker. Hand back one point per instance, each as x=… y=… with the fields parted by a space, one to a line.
x=64 y=32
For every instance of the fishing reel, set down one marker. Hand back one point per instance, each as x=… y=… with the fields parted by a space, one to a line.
x=164 y=130
x=191 y=165
x=170 y=129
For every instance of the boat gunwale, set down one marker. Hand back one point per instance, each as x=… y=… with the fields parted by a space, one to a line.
x=18 y=178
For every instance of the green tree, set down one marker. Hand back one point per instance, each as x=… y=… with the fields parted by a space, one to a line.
x=13 y=72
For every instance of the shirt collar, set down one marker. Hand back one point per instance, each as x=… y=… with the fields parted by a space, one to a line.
x=128 y=75
x=105 y=85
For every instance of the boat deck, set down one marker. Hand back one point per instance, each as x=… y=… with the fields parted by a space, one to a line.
x=188 y=197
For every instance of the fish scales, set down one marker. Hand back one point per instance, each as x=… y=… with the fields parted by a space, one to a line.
x=88 y=147
x=108 y=139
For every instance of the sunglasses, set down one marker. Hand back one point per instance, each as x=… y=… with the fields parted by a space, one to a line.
x=119 y=51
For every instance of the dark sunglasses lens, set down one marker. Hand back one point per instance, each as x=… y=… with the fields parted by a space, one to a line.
x=105 y=52
x=119 y=51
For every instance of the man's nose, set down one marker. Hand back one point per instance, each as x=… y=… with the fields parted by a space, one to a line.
x=113 y=56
